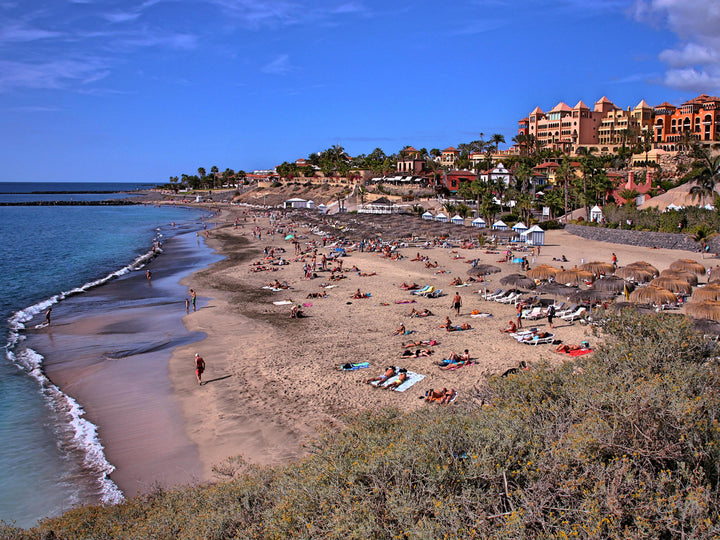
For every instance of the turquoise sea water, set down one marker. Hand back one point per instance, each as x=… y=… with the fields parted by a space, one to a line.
x=49 y=461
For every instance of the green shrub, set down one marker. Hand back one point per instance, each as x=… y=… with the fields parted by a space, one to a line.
x=624 y=443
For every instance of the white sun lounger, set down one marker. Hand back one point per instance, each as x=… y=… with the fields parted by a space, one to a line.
x=574 y=315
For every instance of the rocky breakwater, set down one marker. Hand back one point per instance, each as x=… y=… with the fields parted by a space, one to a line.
x=642 y=238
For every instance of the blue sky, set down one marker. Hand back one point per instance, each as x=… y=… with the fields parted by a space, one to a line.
x=95 y=90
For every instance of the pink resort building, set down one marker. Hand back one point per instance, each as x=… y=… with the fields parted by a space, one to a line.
x=697 y=119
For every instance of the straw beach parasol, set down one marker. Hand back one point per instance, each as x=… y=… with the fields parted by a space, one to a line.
x=542 y=272
x=708 y=309
x=614 y=284
x=556 y=289
x=598 y=268
x=688 y=265
x=635 y=273
x=574 y=276
x=592 y=296
x=484 y=269
x=691 y=278
x=708 y=292
x=672 y=284
x=652 y=295
x=644 y=265
x=518 y=280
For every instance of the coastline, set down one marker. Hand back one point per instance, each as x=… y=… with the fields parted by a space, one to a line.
x=107 y=349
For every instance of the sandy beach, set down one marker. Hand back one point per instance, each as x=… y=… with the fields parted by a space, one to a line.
x=272 y=381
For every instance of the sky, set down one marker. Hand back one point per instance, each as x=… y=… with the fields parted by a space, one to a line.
x=141 y=90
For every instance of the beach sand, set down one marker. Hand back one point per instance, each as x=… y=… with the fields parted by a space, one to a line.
x=273 y=381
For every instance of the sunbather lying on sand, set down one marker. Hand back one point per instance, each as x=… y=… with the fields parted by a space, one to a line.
x=417 y=354
x=419 y=312
x=391 y=371
x=421 y=343
x=429 y=264
x=584 y=346
x=402 y=377
x=442 y=397
x=409 y=286
x=317 y=295
x=463 y=326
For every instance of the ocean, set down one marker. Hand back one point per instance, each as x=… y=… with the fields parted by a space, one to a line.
x=51 y=456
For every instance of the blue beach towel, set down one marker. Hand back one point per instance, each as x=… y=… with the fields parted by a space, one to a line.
x=353 y=367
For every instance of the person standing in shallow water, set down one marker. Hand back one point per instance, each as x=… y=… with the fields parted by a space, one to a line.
x=193 y=299
x=199 y=367
x=48 y=314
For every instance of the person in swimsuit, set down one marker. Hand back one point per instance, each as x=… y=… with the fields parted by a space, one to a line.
x=401 y=379
x=193 y=299
x=389 y=372
x=456 y=303
x=48 y=314
x=199 y=367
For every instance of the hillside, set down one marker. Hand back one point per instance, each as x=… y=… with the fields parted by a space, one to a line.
x=624 y=443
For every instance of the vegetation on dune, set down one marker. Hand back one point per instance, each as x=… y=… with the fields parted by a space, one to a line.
x=623 y=443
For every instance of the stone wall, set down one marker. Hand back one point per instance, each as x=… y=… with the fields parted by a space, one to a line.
x=641 y=238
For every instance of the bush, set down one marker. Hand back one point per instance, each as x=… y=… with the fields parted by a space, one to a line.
x=624 y=443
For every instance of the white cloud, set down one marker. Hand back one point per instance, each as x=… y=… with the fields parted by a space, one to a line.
x=19 y=33
x=279 y=66
x=121 y=17
x=695 y=63
x=55 y=75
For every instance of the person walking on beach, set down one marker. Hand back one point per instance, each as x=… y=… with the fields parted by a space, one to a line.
x=148 y=275
x=193 y=299
x=456 y=303
x=614 y=260
x=550 y=315
x=48 y=314
x=199 y=367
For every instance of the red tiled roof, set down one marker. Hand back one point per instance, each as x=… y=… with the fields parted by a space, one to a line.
x=450 y=149
x=665 y=105
x=561 y=107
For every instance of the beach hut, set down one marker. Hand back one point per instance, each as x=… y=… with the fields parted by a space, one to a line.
x=478 y=222
x=596 y=214
x=428 y=216
x=500 y=225
x=441 y=217
x=457 y=219
x=295 y=203
x=321 y=208
x=519 y=227
x=534 y=236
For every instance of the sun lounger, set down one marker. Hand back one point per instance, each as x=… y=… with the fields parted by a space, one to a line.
x=574 y=315
x=523 y=333
x=434 y=294
x=509 y=299
x=534 y=313
x=425 y=289
x=501 y=292
x=488 y=294
x=564 y=312
x=540 y=340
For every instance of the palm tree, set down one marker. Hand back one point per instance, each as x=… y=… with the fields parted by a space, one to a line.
x=497 y=139
x=707 y=174
x=566 y=173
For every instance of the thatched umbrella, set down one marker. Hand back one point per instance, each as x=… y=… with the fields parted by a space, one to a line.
x=542 y=272
x=484 y=269
x=592 y=296
x=614 y=284
x=708 y=292
x=574 y=276
x=708 y=309
x=598 y=268
x=635 y=273
x=556 y=289
x=688 y=265
x=518 y=280
x=652 y=295
x=681 y=274
x=707 y=326
x=714 y=274
x=672 y=284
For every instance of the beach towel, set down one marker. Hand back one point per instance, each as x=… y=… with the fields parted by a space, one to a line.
x=307 y=304
x=273 y=288
x=353 y=367
x=481 y=315
x=283 y=303
x=411 y=380
x=580 y=352
x=463 y=285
